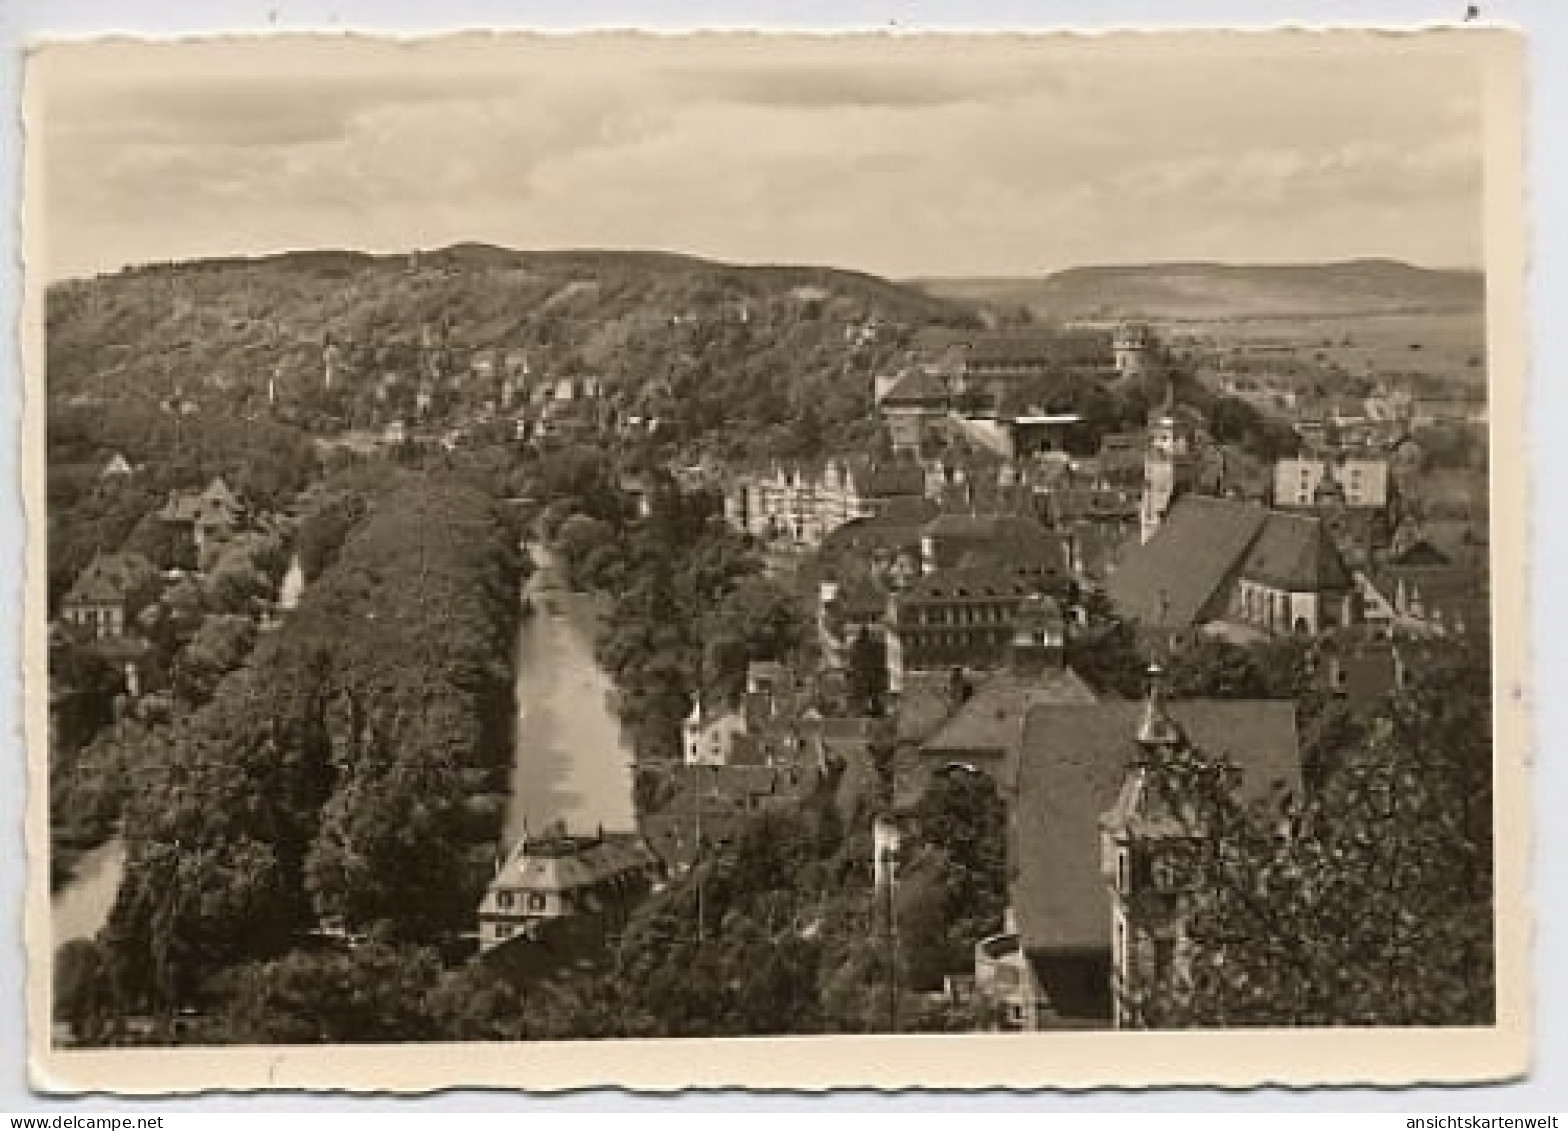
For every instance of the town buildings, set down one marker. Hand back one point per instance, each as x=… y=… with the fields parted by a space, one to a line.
x=107 y=595
x=802 y=505
x=596 y=880
x=1220 y=562
x=1092 y=918
x=1353 y=496
x=708 y=737
x=1173 y=459
x=1361 y=482
x=1425 y=592
x=206 y=517
x=911 y=405
x=1151 y=835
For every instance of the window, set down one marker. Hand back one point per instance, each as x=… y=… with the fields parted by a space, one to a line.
x=1123 y=874
x=1164 y=873
x=503 y=900
x=1164 y=958
x=536 y=901
x=503 y=930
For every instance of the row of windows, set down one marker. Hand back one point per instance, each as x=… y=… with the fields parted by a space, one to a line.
x=534 y=901
x=967 y=614
x=917 y=640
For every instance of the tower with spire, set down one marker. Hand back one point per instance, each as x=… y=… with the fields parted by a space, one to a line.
x=1144 y=838
x=1170 y=462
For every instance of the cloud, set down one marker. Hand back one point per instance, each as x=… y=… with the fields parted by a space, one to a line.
x=901 y=157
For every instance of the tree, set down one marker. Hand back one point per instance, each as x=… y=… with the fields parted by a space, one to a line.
x=83 y=994
x=220 y=645
x=369 y=993
x=1376 y=907
x=322 y=533
x=1110 y=659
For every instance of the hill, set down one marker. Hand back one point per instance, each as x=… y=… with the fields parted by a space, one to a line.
x=1216 y=291
x=756 y=347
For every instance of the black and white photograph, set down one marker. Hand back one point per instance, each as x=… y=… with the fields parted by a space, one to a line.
x=650 y=544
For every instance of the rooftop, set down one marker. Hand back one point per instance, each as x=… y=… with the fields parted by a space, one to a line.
x=1071 y=764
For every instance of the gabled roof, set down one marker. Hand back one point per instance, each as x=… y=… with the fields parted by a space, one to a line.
x=918 y=387
x=993 y=717
x=1421 y=552
x=1010 y=541
x=1175 y=579
x=1071 y=765
x=112 y=578
x=1295 y=553
x=569 y=864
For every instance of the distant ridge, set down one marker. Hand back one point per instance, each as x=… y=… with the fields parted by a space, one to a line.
x=1203 y=291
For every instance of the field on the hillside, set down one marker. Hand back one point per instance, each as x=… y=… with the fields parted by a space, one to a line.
x=1449 y=345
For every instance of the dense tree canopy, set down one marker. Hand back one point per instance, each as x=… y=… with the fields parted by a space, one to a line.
x=1376 y=907
x=326 y=778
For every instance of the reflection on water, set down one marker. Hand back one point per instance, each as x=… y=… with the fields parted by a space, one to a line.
x=81 y=908
x=571 y=762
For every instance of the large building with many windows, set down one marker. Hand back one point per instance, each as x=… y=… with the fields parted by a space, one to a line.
x=801 y=505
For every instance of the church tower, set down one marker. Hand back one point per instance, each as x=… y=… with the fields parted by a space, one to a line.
x=1167 y=464
x=1146 y=841
x=1129 y=348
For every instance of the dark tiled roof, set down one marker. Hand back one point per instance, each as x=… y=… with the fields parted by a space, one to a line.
x=924 y=704
x=1295 y=553
x=1010 y=541
x=1035 y=347
x=1451 y=591
x=900 y=478
x=977 y=583
x=1068 y=504
x=569 y=865
x=1070 y=770
x=993 y=717
x=1100 y=545
x=112 y=578
x=1422 y=553
x=1176 y=578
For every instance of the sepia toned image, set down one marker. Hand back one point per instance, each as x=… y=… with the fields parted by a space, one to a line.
x=776 y=561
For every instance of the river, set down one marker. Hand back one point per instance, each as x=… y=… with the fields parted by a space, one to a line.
x=571 y=763
x=293 y=586
x=81 y=908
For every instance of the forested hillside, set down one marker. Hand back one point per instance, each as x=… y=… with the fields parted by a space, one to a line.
x=702 y=343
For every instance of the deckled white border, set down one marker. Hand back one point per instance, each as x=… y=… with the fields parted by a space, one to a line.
x=945 y=1061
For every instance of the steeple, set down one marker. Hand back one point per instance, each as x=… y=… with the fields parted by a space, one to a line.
x=1157 y=730
x=1329 y=491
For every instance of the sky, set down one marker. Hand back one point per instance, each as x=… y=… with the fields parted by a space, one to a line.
x=903 y=156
